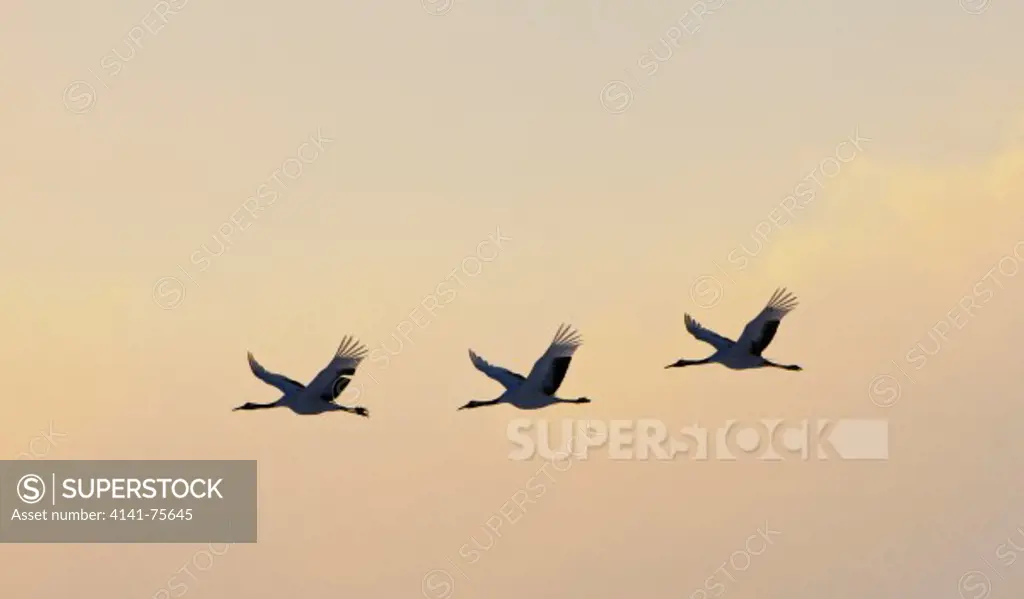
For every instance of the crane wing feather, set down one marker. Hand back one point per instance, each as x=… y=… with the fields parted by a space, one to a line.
x=706 y=335
x=332 y=380
x=510 y=380
x=281 y=382
x=760 y=331
x=550 y=369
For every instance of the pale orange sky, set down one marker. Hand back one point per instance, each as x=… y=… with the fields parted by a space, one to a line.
x=446 y=129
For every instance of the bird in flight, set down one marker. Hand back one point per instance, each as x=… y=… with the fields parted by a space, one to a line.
x=745 y=352
x=536 y=390
x=318 y=397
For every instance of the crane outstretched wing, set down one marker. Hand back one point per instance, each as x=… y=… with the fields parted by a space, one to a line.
x=758 y=333
x=706 y=335
x=510 y=380
x=549 y=371
x=283 y=383
x=332 y=380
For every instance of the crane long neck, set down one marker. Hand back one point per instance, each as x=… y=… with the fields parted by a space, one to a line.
x=257 y=406
x=684 y=362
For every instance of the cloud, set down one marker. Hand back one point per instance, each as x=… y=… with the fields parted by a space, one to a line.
x=896 y=219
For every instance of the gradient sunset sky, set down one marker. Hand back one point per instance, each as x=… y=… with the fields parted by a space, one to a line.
x=626 y=196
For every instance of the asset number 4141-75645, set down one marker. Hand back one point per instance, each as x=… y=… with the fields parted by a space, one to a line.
x=151 y=514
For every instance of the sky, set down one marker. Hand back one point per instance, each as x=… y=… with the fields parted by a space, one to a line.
x=189 y=181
